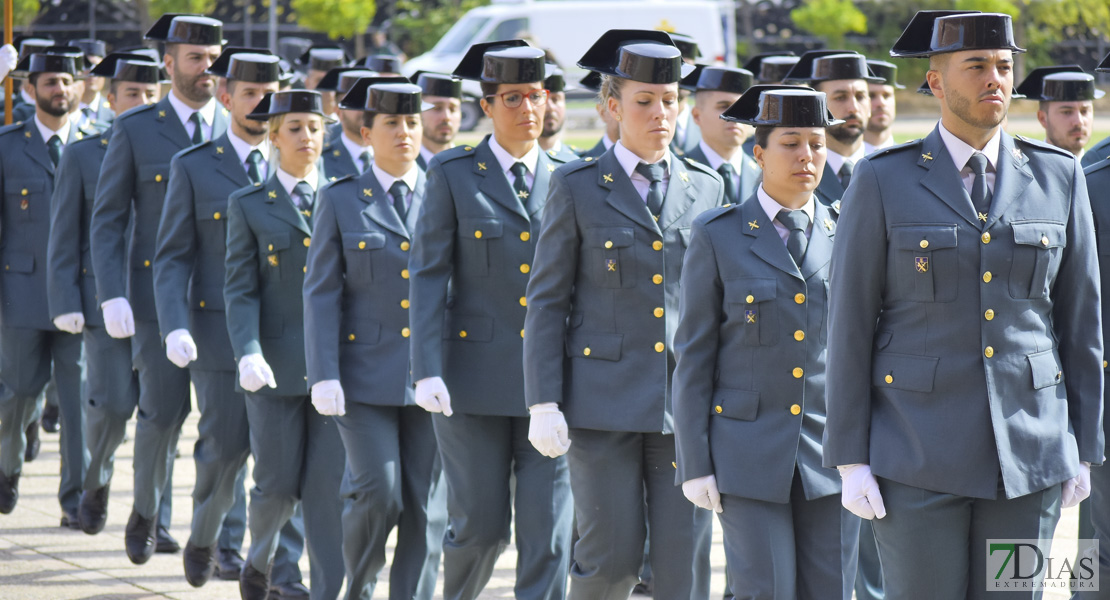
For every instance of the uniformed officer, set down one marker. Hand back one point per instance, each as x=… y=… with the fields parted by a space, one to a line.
x=602 y=308
x=384 y=65
x=471 y=258
x=95 y=112
x=592 y=82
x=686 y=133
x=715 y=89
x=346 y=152
x=878 y=135
x=23 y=105
x=768 y=68
x=1101 y=150
x=844 y=78
x=112 y=390
x=785 y=533
x=965 y=284
x=555 y=117
x=297 y=452
x=131 y=190
x=30 y=343
x=440 y=124
x=357 y=347
x=1065 y=96
x=316 y=62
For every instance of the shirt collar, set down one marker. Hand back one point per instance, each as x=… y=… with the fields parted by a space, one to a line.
x=46 y=132
x=835 y=160
x=95 y=104
x=961 y=151
x=355 y=150
x=386 y=180
x=628 y=160
x=26 y=97
x=607 y=142
x=288 y=182
x=716 y=160
x=506 y=160
x=427 y=154
x=184 y=111
x=243 y=149
x=772 y=208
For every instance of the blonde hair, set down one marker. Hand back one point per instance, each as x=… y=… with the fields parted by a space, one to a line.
x=275 y=124
x=610 y=88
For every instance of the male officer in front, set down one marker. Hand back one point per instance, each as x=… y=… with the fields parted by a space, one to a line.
x=112 y=390
x=555 y=118
x=30 y=342
x=965 y=349
x=1101 y=150
x=316 y=62
x=346 y=152
x=441 y=122
x=844 y=78
x=768 y=68
x=878 y=134
x=686 y=131
x=715 y=89
x=132 y=189
x=95 y=111
x=1066 y=110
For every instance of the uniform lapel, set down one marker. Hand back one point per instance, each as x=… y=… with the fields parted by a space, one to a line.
x=819 y=250
x=680 y=194
x=337 y=153
x=537 y=198
x=227 y=161
x=281 y=206
x=494 y=182
x=1010 y=180
x=622 y=194
x=379 y=204
x=767 y=244
x=170 y=124
x=942 y=178
x=830 y=185
x=36 y=146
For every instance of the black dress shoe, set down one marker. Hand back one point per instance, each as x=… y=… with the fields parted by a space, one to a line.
x=643 y=589
x=166 y=544
x=92 y=512
x=289 y=591
x=50 y=419
x=229 y=565
x=9 y=492
x=254 y=584
x=31 y=451
x=139 y=538
x=69 y=520
x=200 y=563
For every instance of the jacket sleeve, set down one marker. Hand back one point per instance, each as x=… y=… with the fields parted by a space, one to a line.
x=554 y=273
x=63 y=252
x=242 y=304
x=323 y=293
x=175 y=251
x=430 y=268
x=111 y=214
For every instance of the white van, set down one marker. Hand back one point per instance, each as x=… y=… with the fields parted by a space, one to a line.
x=568 y=28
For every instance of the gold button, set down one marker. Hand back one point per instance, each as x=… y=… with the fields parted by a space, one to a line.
x=608 y=244
x=525 y=268
x=657 y=245
x=799 y=298
x=924 y=244
x=478 y=234
x=404 y=273
x=270 y=248
x=586 y=351
x=987 y=277
x=795 y=409
x=146 y=263
x=657 y=279
x=798 y=372
x=405 y=332
x=522 y=333
x=989 y=315
x=351 y=337
x=749 y=299
x=202 y=303
x=988 y=351
x=158 y=178
x=307 y=241
x=525 y=236
x=304 y=269
x=23 y=191
x=523 y=301
x=658 y=312
x=362 y=245
x=718 y=409
x=405 y=303
x=1104 y=364
x=889 y=379
x=986 y=237
x=799 y=335
x=1044 y=240
x=404 y=246
x=462 y=333
x=216 y=216
x=659 y=347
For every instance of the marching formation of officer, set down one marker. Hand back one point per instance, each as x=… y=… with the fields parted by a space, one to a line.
x=460 y=344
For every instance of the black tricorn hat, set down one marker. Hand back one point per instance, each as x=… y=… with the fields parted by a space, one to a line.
x=386 y=95
x=556 y=80
x=1062 y=83
x=509 y=61
x=592 y=81
x=147 y=53
x=322 y=58
x=687 y=46
x=289 y=101
x=125 y=66
x=638 y=54
x=29 y=44
x=719 y=79
x=830 y=65
x=781 y=106
x=1104 y=66
x=91 y=47
x=438 y=84
x=775 y=71
x=932 y=32
x=334 y=80
x=382 y=63
x=55 y=59
x=174 y=28
x=253 y=65
x=888 y=72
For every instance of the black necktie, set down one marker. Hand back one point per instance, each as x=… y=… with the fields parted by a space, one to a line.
x=520 y=181
x=54 y=149
x=254 y=166
x=846 y=172
x=728 y=174
x=303 y=196
x=653 y=173
x=198 y=130
x=399 y=190
x=980 y=194
x=796 y=242
x=365 y=159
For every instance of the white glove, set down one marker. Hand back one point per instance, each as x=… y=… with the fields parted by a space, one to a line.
x=72 y=322
x=1077 y=488
x=432 y=396
x=255 y=372
x=703 y=493
x=860 y=492
x=8 y=59
x=328 y=398
x=547 y=430
x=180 y=348
x=119 y=321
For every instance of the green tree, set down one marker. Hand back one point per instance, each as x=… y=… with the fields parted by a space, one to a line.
x=23 y=12
x=423 y=22
x=830 y=19
x=1009 y=7
x=337 y=18
x=156 y=8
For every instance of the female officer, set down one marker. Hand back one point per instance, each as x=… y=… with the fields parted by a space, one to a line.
x=297 y=452
x=750 y=381
x=602 y=308
x=357 y=345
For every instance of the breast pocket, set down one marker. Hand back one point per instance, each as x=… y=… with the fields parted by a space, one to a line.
x=609 y=250
x=212 y=227
x=274 y=249
x=1038 y=246
x=475 y=237
x=751 y=305
x=924 y=262
x=155 y=175
x=23 y=195
x=358 y=252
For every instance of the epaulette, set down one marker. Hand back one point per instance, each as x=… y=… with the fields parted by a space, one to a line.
x=1043 y=145
x=10 y=128
x=339 y=180
x=94 y=138
x=1100 y=165
x=717 y=212
x=191 y=149
x=453 y=153
x=697 y=165
x=895 y=148
x=247 y=191
x=577 y=165
x=131 y=112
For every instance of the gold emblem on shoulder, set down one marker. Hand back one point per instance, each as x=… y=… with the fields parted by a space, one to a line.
x=608 y=177
x=481 y=166
x=982 y=216
x=219 y=149
x=368 y=192
x=468 y=148
x=272 y=194
x=104 y=142
x=80 y=136
x=753 y=225
x=927 y=156
x=588 y=158
x=551 y=153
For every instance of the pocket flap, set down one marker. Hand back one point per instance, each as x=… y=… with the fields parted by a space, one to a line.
x=923 y=237
x=19 y=262
x=736 y=404
x=212 y=211
x=156 y=173
x=16 y=186
x=1042 y=234
x=609 y=237
x=470 y=328
x=363 y=241
x=1046 y=369
x=750 y=290
x=360 y=331
x=904 y=371
x=603 y=346
x=276 y=241
x=473 y=228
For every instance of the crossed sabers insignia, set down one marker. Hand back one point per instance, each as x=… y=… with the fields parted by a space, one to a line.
x=481 y=166
x=753 y=225
x=927 y=156
x=273 y=194
x=522 y=194
x=368 y=192
x=610 y=265
x=749 y=316
x=608 y=177
x=219 y=149
x=982 y=216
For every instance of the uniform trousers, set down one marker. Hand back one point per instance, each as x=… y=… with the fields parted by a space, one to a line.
x=298 y=456
x=1099 y=513
x=869 y=575
x=481 y=454
x=933 y=545
x=797 y=550
x=394 y=478
x=220 y=454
